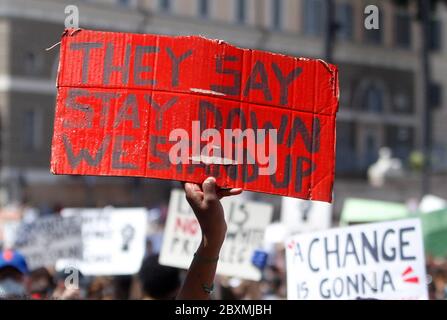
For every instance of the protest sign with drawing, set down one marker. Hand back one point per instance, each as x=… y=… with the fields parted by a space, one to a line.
x=380 y=260
x=300 y=215
x=246 y=223
x=46 y=240
x=114 y=240
x=184 y=108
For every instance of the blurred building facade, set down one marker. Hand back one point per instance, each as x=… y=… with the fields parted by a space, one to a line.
x=380 y=103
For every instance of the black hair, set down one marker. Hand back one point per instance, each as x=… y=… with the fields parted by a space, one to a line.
x=158 y=281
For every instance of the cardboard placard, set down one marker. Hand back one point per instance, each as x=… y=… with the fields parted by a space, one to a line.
x=46 y=240
x=168 y=107
x=380 y=260
x=114 y=240
x=246 y=223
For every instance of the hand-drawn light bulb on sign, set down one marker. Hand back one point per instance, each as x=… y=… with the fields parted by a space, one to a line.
x=305 y=207
x=300 y=215
x=128 y=234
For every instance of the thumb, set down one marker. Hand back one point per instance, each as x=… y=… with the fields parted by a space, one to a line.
x=209 y=189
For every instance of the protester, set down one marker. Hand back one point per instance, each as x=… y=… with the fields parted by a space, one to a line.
x=158 y=282
x=68 y=285
x=273 y=284
x=205 y=202
x=13 y=275
x=41 y=284
x=101 y=288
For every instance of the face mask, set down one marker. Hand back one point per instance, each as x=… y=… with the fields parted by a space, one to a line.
x=11 y=288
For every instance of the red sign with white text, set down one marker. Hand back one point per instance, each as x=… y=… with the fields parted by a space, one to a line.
x=184 y=108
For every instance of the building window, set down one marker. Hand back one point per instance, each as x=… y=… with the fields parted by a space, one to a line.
x=314 y=17
x=165 y=5
x=32 y=132
x=402 y=103
x=241 y=8
x=276 y=14
x=436 y=33
x=400 y=139
x=346 y=147
x=373 y=99
x=124 y=2
x=402 y=30
x=203 y=8
x=371 y=148
x=344 y=17
x=32 y=63
x=374 y=36
x=435 y=95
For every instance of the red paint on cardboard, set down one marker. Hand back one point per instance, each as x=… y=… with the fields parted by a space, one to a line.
x=121 y=95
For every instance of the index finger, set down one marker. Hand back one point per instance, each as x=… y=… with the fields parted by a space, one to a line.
x=229 y=192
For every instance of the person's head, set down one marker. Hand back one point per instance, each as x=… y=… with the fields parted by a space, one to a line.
x=69 y=284
x=101 y=288
x=41 y=283
x=157 y=281
x=13 y=272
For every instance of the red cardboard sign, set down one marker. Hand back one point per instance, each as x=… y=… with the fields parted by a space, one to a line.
x=128 y=103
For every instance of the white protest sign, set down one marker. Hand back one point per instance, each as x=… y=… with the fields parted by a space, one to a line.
x=246 y=222
x=46 y=240
x=114 y=240
x=10 y=232
x=430 y=203
x=380 y=260
x=304 y=215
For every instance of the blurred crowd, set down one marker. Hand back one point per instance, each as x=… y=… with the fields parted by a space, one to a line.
x=155 y=281
x=437 y=278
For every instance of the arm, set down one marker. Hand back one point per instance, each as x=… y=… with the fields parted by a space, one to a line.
x=209 y=212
